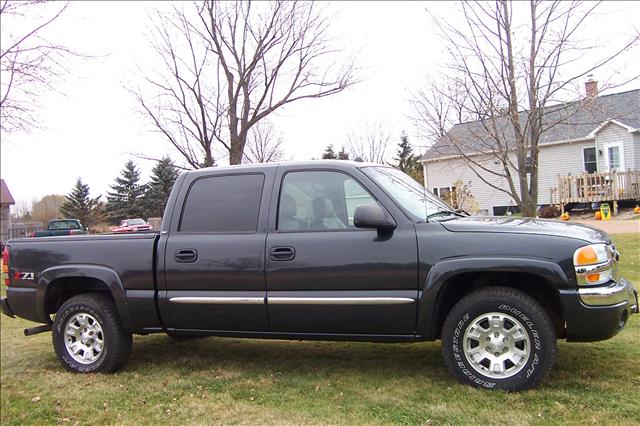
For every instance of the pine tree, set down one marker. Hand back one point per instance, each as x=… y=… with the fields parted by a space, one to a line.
x=343 y=155
x=405 y=158
x=407 y=161
x=126 y=198
x=329 y=153
x=79 y=205
x=163 y=176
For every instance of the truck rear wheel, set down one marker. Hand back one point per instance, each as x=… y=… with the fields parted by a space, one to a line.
x=88 y=336
x=499 y=338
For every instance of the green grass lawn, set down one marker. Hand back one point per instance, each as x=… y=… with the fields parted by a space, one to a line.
x=217 y=380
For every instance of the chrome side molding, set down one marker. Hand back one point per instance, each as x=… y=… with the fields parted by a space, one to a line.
x=231 y=300
x=339 y=300
x=220 y=300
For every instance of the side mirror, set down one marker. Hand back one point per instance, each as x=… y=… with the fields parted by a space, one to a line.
x=372 y=216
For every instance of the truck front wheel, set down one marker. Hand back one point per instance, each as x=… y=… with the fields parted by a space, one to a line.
x=499 y=338
x=88 y=336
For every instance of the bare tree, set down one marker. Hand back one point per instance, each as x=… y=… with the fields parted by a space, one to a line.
x=229 y=65
x=264 y=145
x=29 y=64
x=369 y=142
x=513 y=76
x=187 y=106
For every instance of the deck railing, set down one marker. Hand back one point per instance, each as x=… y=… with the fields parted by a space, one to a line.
x=597 y=187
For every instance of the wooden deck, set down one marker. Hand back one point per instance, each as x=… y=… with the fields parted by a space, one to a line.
x=596 y=187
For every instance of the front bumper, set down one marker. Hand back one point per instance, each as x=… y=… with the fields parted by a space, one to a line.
x=6 y=308
x=598 y=313
x=613 y=294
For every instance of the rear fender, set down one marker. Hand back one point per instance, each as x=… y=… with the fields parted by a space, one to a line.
x=106 y=275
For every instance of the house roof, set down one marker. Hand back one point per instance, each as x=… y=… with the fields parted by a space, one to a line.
x=576 y=120
x=5 y=194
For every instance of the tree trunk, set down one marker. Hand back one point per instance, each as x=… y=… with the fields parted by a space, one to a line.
x=237 y=143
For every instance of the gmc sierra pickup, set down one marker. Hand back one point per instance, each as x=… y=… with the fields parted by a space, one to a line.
x=331 y=250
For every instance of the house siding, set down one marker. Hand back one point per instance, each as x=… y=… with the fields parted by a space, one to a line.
x=615 y=133
x=563 y=159
x=5 y=222
x=635 y=138
x=444 y=173
x=554 y=160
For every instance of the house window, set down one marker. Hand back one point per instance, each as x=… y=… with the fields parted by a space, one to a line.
x=590 y=161
x=614 y=157
x=528 y=165
x=446 y=193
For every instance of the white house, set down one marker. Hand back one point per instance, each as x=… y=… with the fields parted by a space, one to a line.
x=597 y=134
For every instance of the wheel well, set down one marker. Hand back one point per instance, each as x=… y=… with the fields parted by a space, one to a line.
x=62 y=289
x=535 y=286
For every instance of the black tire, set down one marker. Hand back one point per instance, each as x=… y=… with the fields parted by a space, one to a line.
x=116 y=341
x=509 y=304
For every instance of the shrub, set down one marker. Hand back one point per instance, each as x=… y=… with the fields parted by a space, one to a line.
x=548 y=212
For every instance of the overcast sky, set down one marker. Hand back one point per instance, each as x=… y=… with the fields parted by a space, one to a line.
x=90 y=128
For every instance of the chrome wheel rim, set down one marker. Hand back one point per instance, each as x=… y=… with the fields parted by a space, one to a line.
x=83 y=338
x=496 y=345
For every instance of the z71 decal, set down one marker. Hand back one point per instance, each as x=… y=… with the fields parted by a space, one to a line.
x=24 y=276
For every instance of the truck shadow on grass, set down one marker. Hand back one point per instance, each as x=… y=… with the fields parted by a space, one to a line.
x=577 y=365
x=284 y=355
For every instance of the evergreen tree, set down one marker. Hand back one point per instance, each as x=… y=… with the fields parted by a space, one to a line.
x=343 y=155
x=79 y=205
x=126 y=197
x=329 y=153
x=407 y=161
x=163 y=176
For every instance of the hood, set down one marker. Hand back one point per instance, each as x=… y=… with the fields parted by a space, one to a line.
x=520 y=225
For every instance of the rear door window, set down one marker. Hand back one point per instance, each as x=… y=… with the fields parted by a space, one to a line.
x=223 y=204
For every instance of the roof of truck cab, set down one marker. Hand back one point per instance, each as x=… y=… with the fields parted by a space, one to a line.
x=266 y=166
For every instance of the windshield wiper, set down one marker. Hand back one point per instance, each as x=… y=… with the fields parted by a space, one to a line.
x=444 y=212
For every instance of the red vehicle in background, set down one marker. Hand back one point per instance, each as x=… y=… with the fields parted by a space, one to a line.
x=133 y=225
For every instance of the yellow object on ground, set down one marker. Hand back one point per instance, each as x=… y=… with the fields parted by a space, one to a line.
x=605 y=211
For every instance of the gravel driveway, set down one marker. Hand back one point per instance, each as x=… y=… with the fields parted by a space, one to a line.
x=614 y=226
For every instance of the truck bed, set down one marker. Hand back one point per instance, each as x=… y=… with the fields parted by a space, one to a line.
x=129 y=257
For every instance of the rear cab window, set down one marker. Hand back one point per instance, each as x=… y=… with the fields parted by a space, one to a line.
x=223 y=204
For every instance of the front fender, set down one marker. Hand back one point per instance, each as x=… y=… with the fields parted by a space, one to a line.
x=102 y=273
x=443 y=271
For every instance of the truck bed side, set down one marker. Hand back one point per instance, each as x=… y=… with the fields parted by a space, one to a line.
x=46 y=269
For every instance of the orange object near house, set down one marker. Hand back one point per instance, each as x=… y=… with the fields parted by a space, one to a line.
x=598 y=215
x=636 y=209
x=564 y=216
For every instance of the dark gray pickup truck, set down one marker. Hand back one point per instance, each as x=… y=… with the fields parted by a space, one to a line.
x=330 y=250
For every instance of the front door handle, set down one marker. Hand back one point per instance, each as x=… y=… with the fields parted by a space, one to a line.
x=186 y=255
x=282 y=253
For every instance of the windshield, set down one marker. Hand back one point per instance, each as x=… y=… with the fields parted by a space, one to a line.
x=136 y=222
x=412 y=197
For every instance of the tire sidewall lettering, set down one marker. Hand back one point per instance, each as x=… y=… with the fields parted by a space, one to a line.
x=60 y=324
x=477 y=378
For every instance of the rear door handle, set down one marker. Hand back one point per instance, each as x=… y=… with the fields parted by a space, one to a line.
x=282 y=253
x=186 y=255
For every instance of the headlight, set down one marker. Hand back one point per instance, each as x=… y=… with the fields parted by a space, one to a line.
x=594 y=264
